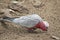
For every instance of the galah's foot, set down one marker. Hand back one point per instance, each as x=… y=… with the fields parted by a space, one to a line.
x=32 y=31
x=34 y=28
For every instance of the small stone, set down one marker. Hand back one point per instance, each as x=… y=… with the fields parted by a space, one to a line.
x=38 y=36
x=35 y=2
x=11 y=10
x=54 y=37
x=15 y=2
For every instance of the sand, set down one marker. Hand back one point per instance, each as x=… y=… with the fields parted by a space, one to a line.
x=49 y=10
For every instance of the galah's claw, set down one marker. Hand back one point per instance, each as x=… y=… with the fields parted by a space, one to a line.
x=32 y=31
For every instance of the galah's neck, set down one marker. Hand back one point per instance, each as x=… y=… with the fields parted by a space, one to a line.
x=41 y=25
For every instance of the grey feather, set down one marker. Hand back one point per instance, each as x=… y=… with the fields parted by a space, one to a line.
x=8 y=18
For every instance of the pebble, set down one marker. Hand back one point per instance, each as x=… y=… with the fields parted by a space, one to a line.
x=55 y=37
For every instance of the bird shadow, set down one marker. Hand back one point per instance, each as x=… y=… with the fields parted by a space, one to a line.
x=36 y=32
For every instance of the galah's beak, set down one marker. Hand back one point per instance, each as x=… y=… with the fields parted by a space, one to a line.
x=43 y=25
x=46 y=29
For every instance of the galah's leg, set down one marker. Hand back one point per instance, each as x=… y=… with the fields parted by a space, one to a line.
x=31 y=30
x=34 y=28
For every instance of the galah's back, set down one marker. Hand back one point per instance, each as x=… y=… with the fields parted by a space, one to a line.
x=28 y=21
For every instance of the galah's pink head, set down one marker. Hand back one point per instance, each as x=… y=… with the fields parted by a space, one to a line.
x=43 y=25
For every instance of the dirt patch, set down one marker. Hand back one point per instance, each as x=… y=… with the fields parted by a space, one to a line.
x=48 y=9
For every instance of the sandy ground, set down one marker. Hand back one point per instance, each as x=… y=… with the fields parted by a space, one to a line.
x=48 y=9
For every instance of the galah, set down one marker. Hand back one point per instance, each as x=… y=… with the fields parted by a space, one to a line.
x=31 y=22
